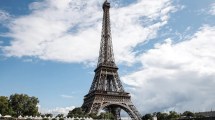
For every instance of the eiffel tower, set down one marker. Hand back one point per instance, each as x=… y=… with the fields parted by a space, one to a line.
x=106 y=92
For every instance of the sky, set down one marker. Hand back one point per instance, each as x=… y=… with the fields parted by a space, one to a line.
x=164 y=50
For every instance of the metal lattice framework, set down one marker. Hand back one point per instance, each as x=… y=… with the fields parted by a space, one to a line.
x=106 y=91
x=106 y=56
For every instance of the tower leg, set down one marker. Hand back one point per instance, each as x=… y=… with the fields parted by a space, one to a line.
x=116 y=113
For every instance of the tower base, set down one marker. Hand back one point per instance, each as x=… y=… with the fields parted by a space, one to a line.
x=112 y=101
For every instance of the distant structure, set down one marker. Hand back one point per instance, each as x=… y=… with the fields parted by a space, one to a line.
x=106 y=92
x=207 y=114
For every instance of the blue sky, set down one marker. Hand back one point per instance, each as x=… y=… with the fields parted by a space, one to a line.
x=164 y=49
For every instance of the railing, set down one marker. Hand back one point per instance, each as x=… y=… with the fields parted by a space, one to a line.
x=8 y=117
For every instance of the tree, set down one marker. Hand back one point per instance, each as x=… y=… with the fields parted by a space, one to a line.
x=162 y=116
x=48 y=115
x=93 y=115
x=60 y=115
x=102 y=116
x=147 y=117
x=24 y=105
x=4 y=106
x=77 y=112
x=106 y=115
x=173 y=115
x=188 y=114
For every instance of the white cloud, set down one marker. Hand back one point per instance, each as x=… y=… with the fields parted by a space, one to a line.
x=66 y=96
x=69 y=31
x=28 y=60
x=57 y=110
x=212 y=9
x=4 y=16
x=177 y=76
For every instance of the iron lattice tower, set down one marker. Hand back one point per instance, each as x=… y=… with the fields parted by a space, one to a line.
x=106 y=91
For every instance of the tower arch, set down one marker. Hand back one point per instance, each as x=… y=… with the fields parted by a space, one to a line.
x=120 y=106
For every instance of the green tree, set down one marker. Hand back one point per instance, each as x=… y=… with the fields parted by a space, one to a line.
x=147 y=117
x=173 y=115
x=162 y=116
x=106 y=115
x=60 y=115
x=77 y=112
x=93 y=115
x=188 y=114
x=4 y=106
x=48 y=115
x=24 y=105
x=103 y=115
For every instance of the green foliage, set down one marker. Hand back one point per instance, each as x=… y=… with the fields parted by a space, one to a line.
x=4 y=106
x=48 y=115
x=42 y=115
x=60 y=115
x=19 y=104
x=162 y=116
x=106 y=115
x=93 y=115
x=173 y=115
x=77 y=112
x=147 y=117
x=24 y=105
x=188 y=114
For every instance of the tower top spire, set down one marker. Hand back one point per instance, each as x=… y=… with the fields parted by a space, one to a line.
x=106 y=56
x=106 y=5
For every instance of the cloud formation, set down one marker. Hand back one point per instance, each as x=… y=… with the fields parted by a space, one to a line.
x=177 y=76
x=4 y=16
x=212 y=9
x=67 y=96
x=56 y=111
x=69 y=31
